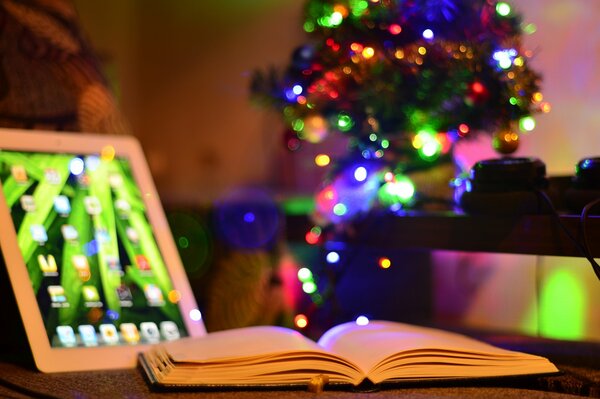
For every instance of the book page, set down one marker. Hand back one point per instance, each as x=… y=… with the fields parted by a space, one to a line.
x=380 y=341
x=239 y=343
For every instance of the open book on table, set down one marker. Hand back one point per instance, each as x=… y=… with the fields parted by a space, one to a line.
x=379 y=352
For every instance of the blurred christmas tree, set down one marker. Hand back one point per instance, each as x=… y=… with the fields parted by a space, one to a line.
x=402 y=80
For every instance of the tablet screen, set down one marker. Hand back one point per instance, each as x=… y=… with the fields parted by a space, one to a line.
x=93 y=262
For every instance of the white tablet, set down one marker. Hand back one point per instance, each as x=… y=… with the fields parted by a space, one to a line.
x=89 y=253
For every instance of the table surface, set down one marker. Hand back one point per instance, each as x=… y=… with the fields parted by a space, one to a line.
x=21 y=382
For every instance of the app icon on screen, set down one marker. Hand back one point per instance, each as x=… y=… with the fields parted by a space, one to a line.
x=19 y=174
x=133 y=235
x=92 y=205
x=81 y=264
x=115 y=180
x=109 y=334
x=124 y=294
x=47 y=265
x=154 y=295
x=130 y=333
x=66 y=335
x=123 y=208
x=114 y=264
x=38 y=233
x=150 y=332
x=62 y=205
x=142 y=263
x=90 y=293
x=169 y=330
x=92 y=162
x=88 y=336
x=57 y=294
x=28 y=203
x=52 y=176
x=69 y=232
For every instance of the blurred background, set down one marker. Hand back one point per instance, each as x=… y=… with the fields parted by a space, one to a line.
x=181 y=70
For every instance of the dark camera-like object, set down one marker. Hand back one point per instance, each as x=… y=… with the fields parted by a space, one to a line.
x=585 y=185
x=506 y=186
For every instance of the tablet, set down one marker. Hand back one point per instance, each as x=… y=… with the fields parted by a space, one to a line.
x=94 y=268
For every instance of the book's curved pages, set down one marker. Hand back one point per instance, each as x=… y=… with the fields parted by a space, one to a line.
x=379 y=352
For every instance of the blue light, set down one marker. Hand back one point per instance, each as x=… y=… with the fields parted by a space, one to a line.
x=428 y=34
x=332 y=257
x=249 y=217
x=112 y=314
x=297 y=89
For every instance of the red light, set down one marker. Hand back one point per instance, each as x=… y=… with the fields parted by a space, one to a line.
x=395 y=29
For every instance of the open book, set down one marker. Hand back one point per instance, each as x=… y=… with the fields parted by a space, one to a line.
x=379 y=352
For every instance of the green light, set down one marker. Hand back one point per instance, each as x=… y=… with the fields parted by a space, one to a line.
x=344 y=122
x=402 y=191
x=309 y=27
x=503 y=9
x=358 y=7
x=305 y=275
x=316 y=230
x=373 y=137
x=340 y=209
x=513 y=101
x=336 y=18
x=562 y=311
x=298 y=125
x=309 y=287
x=527 y=124
x=385 y=143
x=530 y=29
x=183 y=242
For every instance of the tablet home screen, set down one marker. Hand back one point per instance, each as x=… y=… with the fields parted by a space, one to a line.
x=94 y=264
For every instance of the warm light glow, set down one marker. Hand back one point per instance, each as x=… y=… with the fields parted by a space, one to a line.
x=301 y=321
x=385 y=263
x=322 y=160
x=368 y=52
x=422 y=50
x=399 y=54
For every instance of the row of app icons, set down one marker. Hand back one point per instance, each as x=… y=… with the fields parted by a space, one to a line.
x=108 y=334
x=77 y=167
x=49 y=266
x=62 y=205
x=91 y=296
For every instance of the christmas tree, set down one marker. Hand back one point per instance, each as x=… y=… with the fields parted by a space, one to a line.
x=402 y=81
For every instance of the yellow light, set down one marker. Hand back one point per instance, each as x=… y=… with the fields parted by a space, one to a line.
x=422 y=50
x=356 y=47
x=347 y=70
x=107 y=153
x=537 y=97
x=301 y=321
x=519 y=61
x=399 y=54
x=174 y=296
x=385 y=263
x=546 y=107
x=322 y=160
x=368 y=52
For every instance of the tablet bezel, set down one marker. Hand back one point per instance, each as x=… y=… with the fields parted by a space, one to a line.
x=56 y=359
